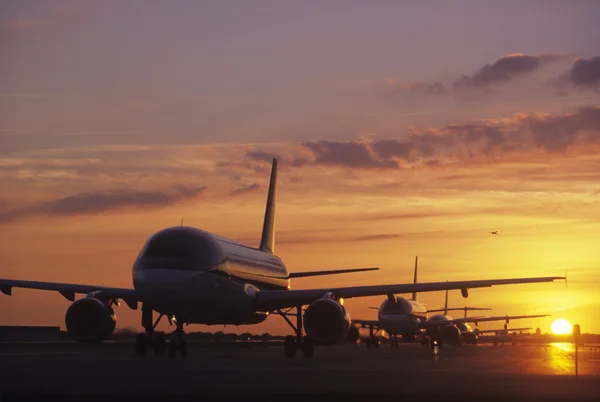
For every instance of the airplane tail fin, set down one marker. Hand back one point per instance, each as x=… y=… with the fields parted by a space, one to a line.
x=267 y=240
x=414 y=295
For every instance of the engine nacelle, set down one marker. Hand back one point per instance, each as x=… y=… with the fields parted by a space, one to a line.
x=451 y=334
x=90 y=320
x=326 y=321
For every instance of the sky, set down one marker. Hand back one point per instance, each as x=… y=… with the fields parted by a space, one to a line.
x=402 y=129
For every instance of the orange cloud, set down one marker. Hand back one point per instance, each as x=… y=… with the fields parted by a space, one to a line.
x=20 y=24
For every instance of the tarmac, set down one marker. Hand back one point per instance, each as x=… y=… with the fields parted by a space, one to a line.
x=70 y=371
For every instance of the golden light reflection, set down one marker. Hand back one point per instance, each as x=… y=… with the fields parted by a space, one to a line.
x=561 y=357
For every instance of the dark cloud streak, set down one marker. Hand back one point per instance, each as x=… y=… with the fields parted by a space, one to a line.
x=86 y=203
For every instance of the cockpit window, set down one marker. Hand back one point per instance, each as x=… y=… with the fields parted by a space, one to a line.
x=179 y=249
x=170 y=245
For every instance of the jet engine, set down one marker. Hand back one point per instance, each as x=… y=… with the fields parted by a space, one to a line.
x=451 y=334
x=326 y=321
x=90 y=320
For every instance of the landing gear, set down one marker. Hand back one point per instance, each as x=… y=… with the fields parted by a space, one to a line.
x=177 y=342
x=372 y=339
x=394 y=343
x=289 y=346
x=424 y=341
x=159 y=344
x=437 y=342
x=297 y=341
x=156 y=340
x=149 y=338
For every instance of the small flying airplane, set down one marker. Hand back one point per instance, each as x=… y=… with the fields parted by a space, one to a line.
x=495 y=232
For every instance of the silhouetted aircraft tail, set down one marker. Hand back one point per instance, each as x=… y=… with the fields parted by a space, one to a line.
x=414 y=295
x=267 y=240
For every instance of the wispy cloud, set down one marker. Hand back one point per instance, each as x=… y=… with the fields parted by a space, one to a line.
x=86 y=203
x=505 y=69
x=470 y=142
x=20 y=24
x=480 y=83
x=245 y=190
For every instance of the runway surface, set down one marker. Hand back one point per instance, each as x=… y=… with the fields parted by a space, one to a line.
x=522 y=372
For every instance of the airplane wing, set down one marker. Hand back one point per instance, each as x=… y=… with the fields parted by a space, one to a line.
x=367 y=323
x=270 y=300
x=477 y=320
x=68 y=290
x=330 y=272
x=438 y=310
x=509 y=330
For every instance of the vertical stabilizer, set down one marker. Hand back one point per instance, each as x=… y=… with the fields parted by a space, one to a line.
x=446 y=304
x=267 y=240
x=414 y=295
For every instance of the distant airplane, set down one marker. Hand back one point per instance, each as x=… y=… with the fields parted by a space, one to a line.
x=495 y=232
x=409 y=319
x=443 y=328
x=195 y=277
x=502 y=335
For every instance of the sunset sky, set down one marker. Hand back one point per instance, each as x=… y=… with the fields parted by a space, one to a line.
x=402 y=129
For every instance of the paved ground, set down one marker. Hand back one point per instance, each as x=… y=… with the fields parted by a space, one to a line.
x=522 y=372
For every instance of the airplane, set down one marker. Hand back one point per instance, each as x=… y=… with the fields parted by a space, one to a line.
x=495 y=232
x=398 y=317
x=502 y=335
x=442 y=328
x=409 y=319
x=193 y=276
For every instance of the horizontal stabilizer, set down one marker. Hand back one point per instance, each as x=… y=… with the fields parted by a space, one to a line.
x=330 y=272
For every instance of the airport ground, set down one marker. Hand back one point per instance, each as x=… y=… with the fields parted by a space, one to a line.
x=523 y=372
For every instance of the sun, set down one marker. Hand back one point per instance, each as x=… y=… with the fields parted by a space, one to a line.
x=561 y=327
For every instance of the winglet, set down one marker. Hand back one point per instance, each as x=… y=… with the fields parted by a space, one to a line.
x=414 y=295
x=267 y=240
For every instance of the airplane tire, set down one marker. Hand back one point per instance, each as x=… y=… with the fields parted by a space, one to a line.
x=141 y=345
x=172 y=348
x=308 y=347
x=376 y=343
x=183 y=348
x=289 y=346
x=159 y=344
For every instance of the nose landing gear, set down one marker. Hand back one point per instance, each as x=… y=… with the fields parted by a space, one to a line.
x=178 y=342
x=157 y=341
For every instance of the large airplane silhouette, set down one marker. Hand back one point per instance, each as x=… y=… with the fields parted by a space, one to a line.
x=192 y=276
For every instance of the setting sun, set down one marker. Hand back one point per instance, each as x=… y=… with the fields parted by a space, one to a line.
x=561 y=327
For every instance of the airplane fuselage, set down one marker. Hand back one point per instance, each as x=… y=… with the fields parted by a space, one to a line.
x=401 y=317
x=203 y=278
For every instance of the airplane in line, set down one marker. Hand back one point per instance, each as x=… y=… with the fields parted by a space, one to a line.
x=442 y=328
x=192 y=276
x=495 y=232
x=409 y=319
x=500 y=336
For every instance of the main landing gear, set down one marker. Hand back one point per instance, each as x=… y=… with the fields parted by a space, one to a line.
x=157 y=341
x=394 y=343
x=297 y=341
x=372 y=340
